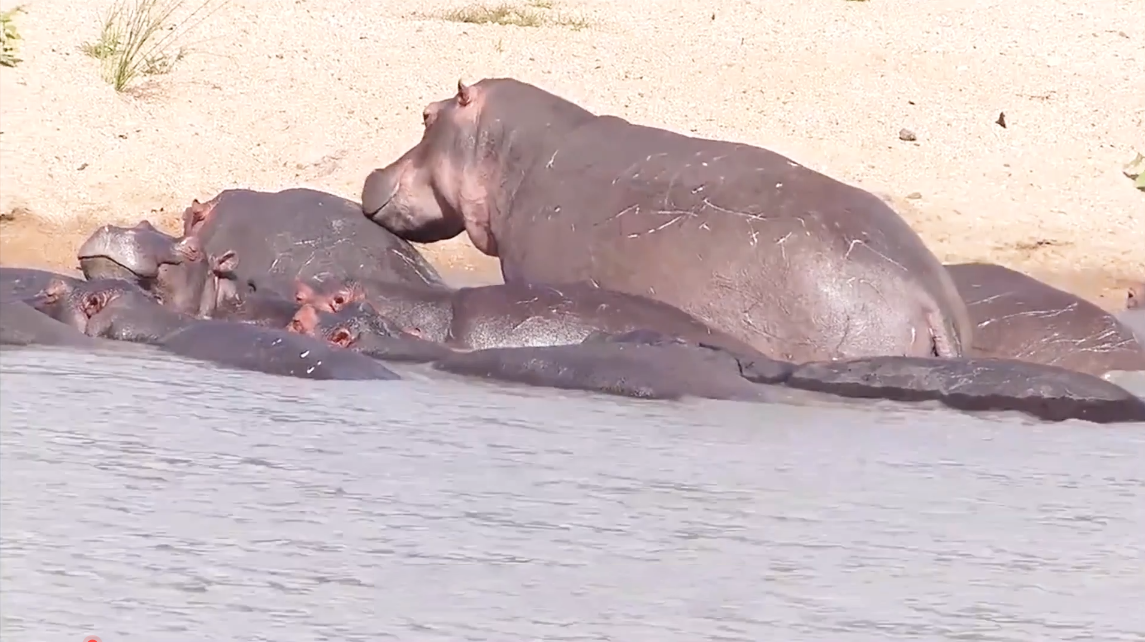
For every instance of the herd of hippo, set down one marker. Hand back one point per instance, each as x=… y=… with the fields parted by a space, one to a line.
x=636 y=261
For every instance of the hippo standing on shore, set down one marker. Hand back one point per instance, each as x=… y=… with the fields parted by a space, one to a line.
x=1019 y=317
x=797 y=264
x=514 y=315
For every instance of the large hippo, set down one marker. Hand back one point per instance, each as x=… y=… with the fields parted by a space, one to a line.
x=642 y=364
x=303 y=233
x=117 y=309
x=514 y=315
x=799 y=265
x=1019 y=317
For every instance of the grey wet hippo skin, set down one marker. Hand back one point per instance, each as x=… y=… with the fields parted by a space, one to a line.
x=1019 y=317
x=233 y=298
x=181 y=276
x=174 y=270
x=797 y=264
x=303 y=233
x=116 y=309
x=515 y=315
x=21 y=283
x=358 y=326
x=642 y=367
x=1046 y=392
x=647 y=364
x=23 y=325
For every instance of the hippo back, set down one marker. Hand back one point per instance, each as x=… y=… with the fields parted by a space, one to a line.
x=1019 y=317
x=21 y=283
x=305 y=233
x=799 y=264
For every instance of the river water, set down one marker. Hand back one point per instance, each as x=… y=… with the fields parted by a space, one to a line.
x=154 y=499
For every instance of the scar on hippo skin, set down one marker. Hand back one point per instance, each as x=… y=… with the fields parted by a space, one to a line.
x=195 y=216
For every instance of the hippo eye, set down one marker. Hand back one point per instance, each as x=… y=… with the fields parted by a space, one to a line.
x=339 y=300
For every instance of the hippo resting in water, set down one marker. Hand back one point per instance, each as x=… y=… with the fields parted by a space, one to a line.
x=793 y=262
x=648 y=365
x=281 y=236
x=1019 y=317
x=651 y=365
x=117 y=309
x=513 y=315
x=21 y=324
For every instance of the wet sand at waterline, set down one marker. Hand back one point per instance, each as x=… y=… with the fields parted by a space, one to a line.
x=274 y=93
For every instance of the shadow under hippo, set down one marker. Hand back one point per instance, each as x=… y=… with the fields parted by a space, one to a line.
x=1019 y=317
x=513 y=315
x=651 y=366
x=798 y=265
x=120 y=310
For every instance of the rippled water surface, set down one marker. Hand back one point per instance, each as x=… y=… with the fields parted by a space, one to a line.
x=157 y=499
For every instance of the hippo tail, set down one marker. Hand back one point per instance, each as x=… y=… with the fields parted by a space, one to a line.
x=948 y=326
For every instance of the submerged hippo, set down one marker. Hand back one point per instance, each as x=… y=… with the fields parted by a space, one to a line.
x=21 y=324
x=795 y=263
x=303 y=233
x=117 y=309
x=647 y=365
x=1019 y=317
x=358 y=326
x=17 y=284
x=514 y=315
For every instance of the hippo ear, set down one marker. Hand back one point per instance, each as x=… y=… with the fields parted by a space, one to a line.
x=225 y=263
x=464 y=96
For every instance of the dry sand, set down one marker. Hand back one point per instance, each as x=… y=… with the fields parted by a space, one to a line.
x=280 y=93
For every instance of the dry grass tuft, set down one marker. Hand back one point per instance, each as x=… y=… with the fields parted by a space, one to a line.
x=9 y=36
x=141 y=38
x=537 y=13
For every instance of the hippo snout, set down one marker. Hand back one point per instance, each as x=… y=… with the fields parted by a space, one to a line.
x=380 y=187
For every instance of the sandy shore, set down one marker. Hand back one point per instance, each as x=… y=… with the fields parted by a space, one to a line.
x=280 y=93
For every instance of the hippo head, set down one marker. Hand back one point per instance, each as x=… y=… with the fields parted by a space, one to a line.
x=174 y=270
x=441 y=186
x=347 y=326
x=329 y=295
x=74 y=303
x=1135 y=298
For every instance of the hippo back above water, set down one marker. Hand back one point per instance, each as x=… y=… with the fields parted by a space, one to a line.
x=303 y=233
x=796 y=263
